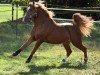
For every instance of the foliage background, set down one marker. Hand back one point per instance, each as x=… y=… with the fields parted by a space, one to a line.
x=71 y=3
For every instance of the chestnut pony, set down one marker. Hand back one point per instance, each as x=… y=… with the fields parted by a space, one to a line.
x=45 y=29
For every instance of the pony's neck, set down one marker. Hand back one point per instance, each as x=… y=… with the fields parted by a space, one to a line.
x=41 y=19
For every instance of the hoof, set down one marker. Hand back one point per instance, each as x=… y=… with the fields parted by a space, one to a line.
x=10 y=56
x=16 y=53
x=85 y=62
x=29 y=59
x=64 y=60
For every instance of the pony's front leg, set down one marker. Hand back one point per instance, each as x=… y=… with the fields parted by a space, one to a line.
x=27 y=43
x=38 y=43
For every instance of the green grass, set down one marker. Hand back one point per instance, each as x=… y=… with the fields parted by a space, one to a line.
x=48 y=62
x=48 y=59
x=6 y=12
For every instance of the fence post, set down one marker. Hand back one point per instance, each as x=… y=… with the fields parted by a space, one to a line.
x=16 y=19
x=12 y=11
x=16 y=11
x=45 y=3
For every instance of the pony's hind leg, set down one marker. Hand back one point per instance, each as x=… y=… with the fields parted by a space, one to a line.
x=38 y=43
x=83 y=48
x=27 y=43
x=68 y=50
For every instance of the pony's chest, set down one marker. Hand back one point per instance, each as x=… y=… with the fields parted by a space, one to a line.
x=40 y=32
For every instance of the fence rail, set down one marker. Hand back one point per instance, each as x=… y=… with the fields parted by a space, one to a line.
x=71 y=10
x=74 y=10
x=70 y=20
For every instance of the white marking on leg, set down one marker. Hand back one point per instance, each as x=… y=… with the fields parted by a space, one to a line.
x=65 y=59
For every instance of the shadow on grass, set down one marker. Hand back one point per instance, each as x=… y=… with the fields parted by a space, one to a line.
x=42 y=69
x=37 y=70
x=80 y=66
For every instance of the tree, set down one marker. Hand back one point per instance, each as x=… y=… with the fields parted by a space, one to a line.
x=83 y=3
x=73 y=3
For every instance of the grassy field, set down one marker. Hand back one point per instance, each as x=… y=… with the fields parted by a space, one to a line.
x=48 y=59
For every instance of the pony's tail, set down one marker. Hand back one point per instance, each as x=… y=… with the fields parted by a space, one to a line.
x=84 y=23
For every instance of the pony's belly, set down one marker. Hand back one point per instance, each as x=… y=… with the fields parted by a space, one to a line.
x=57 y=38
x=53 y=41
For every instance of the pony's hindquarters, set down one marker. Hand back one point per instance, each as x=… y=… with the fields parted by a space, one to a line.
x=84 y=23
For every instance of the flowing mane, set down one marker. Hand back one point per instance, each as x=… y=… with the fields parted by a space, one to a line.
x=49 y=13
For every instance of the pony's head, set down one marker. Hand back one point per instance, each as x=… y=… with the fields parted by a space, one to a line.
x=36 y=9
x=31 y=12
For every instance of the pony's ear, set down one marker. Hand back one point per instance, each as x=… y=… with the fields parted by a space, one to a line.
x=31 y=3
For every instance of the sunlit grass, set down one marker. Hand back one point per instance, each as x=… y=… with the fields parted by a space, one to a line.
x=49 y=61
